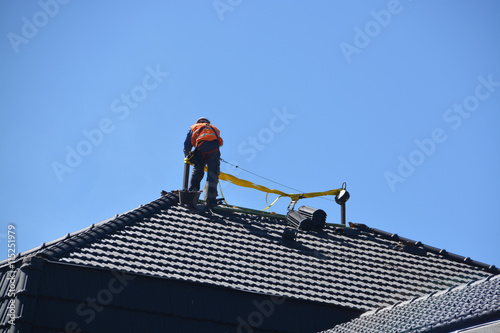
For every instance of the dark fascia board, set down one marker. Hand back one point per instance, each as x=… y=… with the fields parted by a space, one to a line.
x=43 y=266
x=418 y=244
x=40 y=262
x=95 y=231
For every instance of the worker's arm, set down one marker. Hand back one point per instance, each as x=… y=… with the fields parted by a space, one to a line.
x=187 y=143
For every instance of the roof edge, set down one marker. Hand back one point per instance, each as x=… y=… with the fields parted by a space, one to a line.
x=106 y=227
x=62 y=245
x=452 y=256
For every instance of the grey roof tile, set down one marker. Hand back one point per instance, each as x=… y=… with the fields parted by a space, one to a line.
x=360 y=267
x=444 y=311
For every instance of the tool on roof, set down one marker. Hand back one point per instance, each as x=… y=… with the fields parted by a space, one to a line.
x=317 y=216
x=305 y=218
x=298 y=221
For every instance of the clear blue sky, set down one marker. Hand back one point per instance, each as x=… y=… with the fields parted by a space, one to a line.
x=399 y=99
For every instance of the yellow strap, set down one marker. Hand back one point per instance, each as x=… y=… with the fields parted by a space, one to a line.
x=222 y=194
x=269 y=206
x=293 y=196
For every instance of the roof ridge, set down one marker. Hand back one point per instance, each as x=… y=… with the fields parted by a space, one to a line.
x=432 y=249
x=94 y=232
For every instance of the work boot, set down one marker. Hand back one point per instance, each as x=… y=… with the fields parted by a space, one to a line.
x=211 y=202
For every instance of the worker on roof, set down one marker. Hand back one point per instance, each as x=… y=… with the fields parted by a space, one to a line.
x=206 y=140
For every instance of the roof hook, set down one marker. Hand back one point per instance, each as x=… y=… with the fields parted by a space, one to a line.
x=293 y=202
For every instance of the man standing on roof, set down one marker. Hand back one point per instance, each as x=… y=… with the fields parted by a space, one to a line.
x=206 y=140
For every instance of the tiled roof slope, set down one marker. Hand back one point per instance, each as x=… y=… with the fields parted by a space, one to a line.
x=456 y=308
x=359 y=268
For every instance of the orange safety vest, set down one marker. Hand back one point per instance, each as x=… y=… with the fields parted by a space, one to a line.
x=204 y=132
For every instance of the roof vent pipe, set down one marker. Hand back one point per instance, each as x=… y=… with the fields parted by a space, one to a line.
x=185 y=181
x=341 y=198
x=187 y=197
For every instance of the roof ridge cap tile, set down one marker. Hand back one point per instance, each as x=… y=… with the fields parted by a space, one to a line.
x=102 y=229
x=435 y=250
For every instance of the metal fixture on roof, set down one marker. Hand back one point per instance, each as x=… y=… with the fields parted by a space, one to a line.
x=185 y=196
x=317 y=216
x=185 y=180
x=341 y=198
x=298 y=221
x=306 y=218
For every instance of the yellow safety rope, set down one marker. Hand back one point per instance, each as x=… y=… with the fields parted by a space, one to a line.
x=272 y=203
x=293 y=196
x=222 y=194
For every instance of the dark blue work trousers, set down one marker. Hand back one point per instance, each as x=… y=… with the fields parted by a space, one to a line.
x=210 y=158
